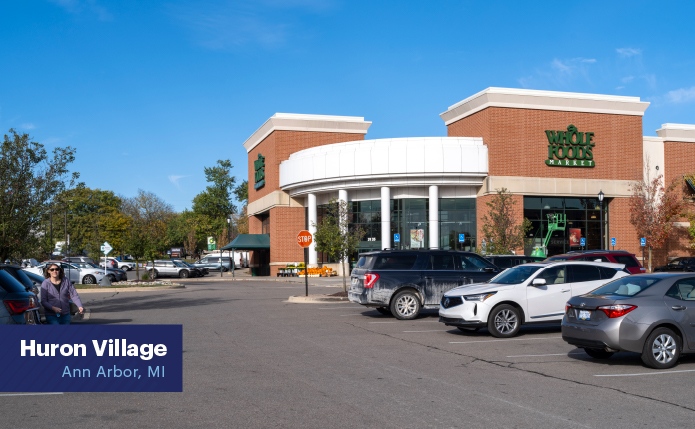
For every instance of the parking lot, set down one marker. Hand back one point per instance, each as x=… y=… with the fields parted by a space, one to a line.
x=253 y=360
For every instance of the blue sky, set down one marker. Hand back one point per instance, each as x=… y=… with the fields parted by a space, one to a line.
x=152 y=92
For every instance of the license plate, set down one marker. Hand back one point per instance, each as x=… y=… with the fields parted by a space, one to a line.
x=584 y=315
x=354 y=281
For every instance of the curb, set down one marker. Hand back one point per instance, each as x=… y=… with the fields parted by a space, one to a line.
x=316 y=299
x=130 y=289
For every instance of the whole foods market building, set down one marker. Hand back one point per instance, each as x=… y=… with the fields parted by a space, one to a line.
x=552 y=151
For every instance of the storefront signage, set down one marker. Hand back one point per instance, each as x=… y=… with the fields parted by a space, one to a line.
x=570 y=148
x=259 y=167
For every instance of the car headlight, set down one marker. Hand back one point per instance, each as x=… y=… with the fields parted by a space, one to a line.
x=479 y=297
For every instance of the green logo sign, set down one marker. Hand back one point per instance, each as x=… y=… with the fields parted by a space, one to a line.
x=259 y=167
x=570 y=148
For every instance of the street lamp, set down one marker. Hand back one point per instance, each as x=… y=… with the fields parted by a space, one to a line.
x=231 y=254
x=600 y=203
x=66 y=245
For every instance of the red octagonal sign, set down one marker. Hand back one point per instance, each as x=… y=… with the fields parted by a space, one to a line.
x=304 y=238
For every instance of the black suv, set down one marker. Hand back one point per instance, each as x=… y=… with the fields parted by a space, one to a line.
x=678 y=264
x=401 y=282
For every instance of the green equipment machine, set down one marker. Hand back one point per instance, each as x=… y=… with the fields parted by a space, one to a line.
x=556 y=222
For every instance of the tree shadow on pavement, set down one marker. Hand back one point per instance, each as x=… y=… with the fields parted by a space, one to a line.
x=141 y=303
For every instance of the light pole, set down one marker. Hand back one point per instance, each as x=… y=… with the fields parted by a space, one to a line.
x=231 y=253
x=600 y=203
x=67 y=246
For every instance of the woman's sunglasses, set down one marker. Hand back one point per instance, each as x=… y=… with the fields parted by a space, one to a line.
x=54 y=269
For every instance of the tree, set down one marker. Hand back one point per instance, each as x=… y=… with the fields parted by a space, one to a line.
x=241 y=193
x=653 y=206
x=335 y=237
x=30 y=184
x=501 y=231
x=149 y=216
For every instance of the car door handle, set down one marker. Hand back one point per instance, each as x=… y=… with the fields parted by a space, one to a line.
x=428 y=278
x=678 y=307
x=565 y=290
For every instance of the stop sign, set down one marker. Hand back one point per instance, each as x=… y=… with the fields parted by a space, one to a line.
x=304 y=238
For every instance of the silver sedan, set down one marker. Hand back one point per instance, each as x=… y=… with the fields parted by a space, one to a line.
x=650 y=314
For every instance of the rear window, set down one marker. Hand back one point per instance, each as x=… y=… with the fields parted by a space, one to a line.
x=584 y=273
x=627 y=286
x=10 y=284
x=20 y=276
x=629 y=261
x=394 y=262
x=364 y=261
x=607 y=273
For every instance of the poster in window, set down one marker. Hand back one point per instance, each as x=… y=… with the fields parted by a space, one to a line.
x=575 y=236
x=417 y=238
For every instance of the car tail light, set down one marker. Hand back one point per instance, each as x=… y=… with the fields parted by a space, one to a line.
x=567 y=307
x=370 y=279
x=19 y=306
x=619 y=310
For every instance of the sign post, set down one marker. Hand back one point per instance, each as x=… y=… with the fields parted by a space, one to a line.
x=106 y=248
x=397 y=240
x=643 y=243
x=613 y=242
x=304 y=239
x=462 y=238
x=583 y=242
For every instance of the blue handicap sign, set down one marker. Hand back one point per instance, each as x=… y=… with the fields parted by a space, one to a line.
x=583 y=241
x=396 y=238
x=643 y=241
x=612 y=241
x=462 y=238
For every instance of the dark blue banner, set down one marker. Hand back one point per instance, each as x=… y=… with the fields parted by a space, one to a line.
x=91 y=358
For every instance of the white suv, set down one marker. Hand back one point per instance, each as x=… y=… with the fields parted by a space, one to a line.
x=529 y=293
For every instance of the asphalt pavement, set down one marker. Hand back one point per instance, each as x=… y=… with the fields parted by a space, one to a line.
x=253 y=360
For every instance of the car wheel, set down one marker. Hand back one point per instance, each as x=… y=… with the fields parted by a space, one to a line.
x=662 y=349
x=598 y=353
x=504 y=321
x=89 y=280
x=405 y=305
x=462 y=329
x=384 y=310
x=153 y=274
x=184 y=274
x=224 y=269
x=112 y=278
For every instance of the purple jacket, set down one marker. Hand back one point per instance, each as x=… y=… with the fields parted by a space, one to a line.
x=51 y=298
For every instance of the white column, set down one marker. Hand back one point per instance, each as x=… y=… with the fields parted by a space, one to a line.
x=434 y=217
x=343 y=196
x=385 y=217
x=313 y=220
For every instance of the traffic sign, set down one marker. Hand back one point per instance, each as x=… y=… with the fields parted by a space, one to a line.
x=612 y=241
x=643 y=241
x=462 y=238
x=106 y=248
x=304 y=238
x=583 y=241
x=396 y=238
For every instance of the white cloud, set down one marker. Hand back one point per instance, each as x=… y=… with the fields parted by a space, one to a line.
x=561 y=66
x=28 y=126
x=627 y=79
x=650 y=79
x=175 y=180
x=682 y=95
x=628 y=52
x=619 y=87
x=76 y=7
x=589 y=60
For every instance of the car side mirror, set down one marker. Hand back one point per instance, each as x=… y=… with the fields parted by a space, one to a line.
x=538 y=282
x=489 y=270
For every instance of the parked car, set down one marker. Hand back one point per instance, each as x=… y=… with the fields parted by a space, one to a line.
x=678 y=265
x=403 y=282
x=36 y=281
x=615 y=256
x=124 y=264
x=170 y=268
x=201 y=271
x=650 y=314
x=110 y=263
x=79 y=259
x=212 y=263
x=524 y=294
x=84 y=274
x=20 y=307
x=115 y=274
x=509 y=261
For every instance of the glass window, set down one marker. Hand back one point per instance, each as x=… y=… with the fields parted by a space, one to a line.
x=213 y=260
x=394 y=262
x=583 y=273
x=441 y=262
x=474 y=263
x=629 y=261
x=607 y=273
x=10 y=284
x=503 y=262
x=515 y=275
x=686 y=289
x=597 y=258
x=554 y=275
x=627 y=286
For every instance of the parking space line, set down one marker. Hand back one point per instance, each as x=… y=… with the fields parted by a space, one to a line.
x=553 y=354
x=509 y=339
x=383 y=322
x=644 y=373
x=431 y=330
x=31 y=394
x=358 y=314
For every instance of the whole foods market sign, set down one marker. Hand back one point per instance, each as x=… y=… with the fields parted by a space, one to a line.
x=259 y=167
x=571 y=148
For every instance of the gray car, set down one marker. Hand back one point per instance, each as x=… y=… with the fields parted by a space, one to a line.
x=650 y=314
x=168 y=268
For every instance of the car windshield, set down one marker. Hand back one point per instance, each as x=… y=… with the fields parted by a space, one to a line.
x=677 y=261
x=626 y=286
x=516 y=275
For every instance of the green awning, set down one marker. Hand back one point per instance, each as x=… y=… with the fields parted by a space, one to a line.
x=249 y=242
x=690 y=180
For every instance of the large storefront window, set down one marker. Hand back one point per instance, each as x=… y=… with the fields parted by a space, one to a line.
x=409 y=219
x=367 y=216
x=457 y=216
x=583 y=220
